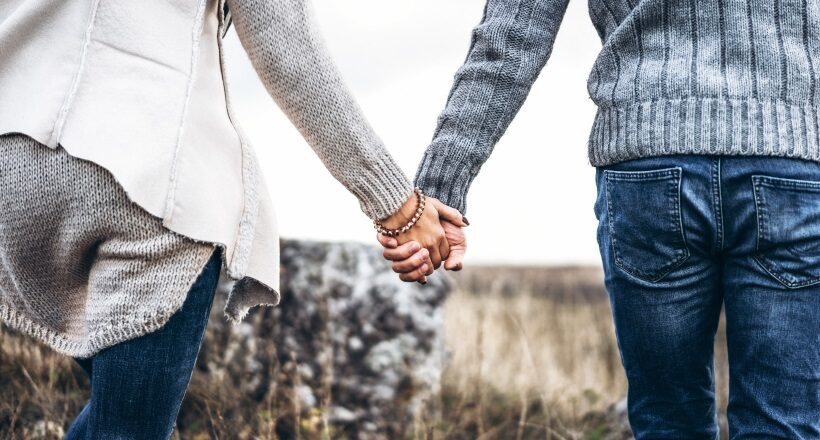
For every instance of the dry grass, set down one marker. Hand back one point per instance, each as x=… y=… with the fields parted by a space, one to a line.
x=532 y=356
x=41 y=391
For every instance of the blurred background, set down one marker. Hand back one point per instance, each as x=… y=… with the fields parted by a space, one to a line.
x=531 y=203
x=518 y=345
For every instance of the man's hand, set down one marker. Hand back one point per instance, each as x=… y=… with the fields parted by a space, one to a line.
x=458 y=245
x=412 y=261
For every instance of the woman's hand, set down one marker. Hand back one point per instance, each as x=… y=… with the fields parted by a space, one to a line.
x=419 y=251
x=427 y=231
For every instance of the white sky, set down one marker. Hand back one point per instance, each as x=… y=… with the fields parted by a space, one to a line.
x=531 y=203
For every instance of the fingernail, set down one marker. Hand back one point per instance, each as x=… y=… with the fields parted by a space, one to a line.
x=466 y=222
x=415 y=247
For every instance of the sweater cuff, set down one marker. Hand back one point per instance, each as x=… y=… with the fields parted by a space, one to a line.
x=446 y=178
x=383 y=189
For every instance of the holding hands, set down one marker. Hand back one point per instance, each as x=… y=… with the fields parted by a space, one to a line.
x=436 y=237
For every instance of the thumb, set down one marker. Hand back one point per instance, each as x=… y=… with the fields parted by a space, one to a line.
x=447 y=213
x=455 y=261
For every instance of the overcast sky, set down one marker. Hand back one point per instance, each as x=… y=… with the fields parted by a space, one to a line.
x=531 y=203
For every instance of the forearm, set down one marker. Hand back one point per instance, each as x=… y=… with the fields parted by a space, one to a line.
x=290 y=57
x=509 y=48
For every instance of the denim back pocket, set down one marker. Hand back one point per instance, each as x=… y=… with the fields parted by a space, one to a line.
x=788 y=229
x=645 y=223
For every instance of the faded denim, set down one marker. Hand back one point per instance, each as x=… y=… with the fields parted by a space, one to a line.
x=682 y=235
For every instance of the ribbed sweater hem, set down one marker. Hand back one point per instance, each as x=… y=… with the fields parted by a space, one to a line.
x=447 y=178
x=246 y=294
x=382 y=188
x=97 y=341
x=706 y=126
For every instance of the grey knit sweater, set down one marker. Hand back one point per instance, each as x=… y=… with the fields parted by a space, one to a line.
x=733 y=77
x=81 y=266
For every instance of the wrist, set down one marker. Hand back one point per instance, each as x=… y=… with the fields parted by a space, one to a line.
x=405 y=212
x=400 y=225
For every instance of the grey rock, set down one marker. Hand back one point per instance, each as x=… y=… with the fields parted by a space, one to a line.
x=349 y=340
x=342 y=414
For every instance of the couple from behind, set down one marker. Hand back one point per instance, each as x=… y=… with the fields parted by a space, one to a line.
x=706 y=146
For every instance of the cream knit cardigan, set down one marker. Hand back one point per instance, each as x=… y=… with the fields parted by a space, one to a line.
x=138 y=87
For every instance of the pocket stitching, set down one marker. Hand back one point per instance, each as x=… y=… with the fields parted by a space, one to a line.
x=640 y=176
x=762 y=226
x=781 y=182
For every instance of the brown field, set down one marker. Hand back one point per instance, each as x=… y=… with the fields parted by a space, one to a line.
x=532 y=355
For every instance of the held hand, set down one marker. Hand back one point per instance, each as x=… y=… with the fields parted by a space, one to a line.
x=412 y=261
x=427 y=231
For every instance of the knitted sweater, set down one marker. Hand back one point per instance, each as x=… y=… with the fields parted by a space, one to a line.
x=83 y=267
x=282 y=40
x=732 y=77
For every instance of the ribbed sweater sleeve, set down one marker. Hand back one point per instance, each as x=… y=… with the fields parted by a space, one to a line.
x=282 y=40
x=508 y=50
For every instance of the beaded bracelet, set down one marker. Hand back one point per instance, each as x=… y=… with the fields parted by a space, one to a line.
x=395 y=232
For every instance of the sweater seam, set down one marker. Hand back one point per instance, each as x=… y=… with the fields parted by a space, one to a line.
x=195 y=43
x=62 y=114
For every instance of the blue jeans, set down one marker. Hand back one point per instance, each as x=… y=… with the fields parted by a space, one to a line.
x=681 y=236
x=137 y=386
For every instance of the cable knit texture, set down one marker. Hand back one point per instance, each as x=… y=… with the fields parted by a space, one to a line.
x=283 y=43
x=82 y=266
x=733 y=77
